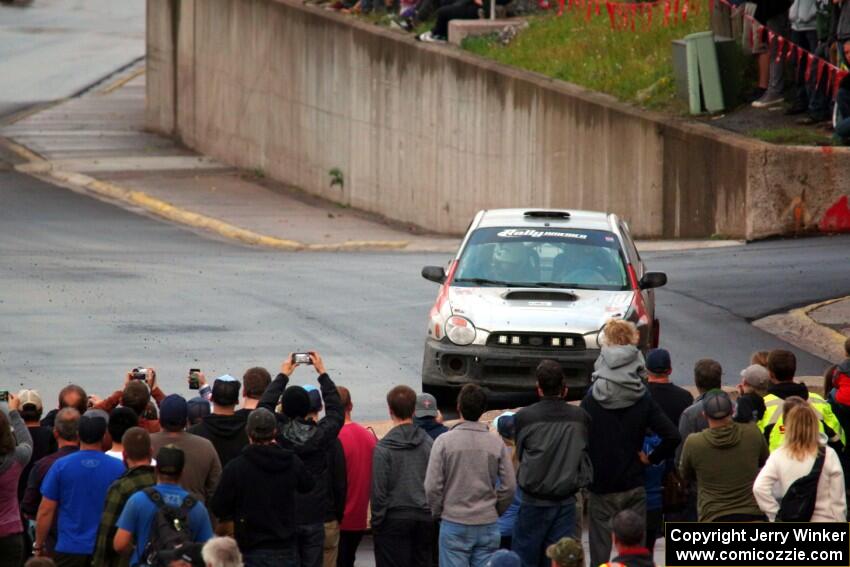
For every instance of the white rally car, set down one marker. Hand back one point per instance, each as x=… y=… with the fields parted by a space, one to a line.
x=528 y=285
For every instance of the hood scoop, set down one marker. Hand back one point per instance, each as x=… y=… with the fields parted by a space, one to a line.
x=547 y=295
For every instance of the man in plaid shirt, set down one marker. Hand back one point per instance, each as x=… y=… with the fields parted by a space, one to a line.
x=140 y=475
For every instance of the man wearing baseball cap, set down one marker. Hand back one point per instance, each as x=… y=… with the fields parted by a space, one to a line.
x=136 y=520
x=755 y=380
x=724 y=460
x=427 y=416
x=224 y=427
x=257 y=493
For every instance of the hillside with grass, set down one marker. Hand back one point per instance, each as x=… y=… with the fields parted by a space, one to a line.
x=634 y=66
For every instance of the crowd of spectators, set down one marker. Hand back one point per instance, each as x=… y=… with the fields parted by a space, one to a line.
x=290 y=479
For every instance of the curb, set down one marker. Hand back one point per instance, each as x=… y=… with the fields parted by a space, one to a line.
x=37 y=165
x=798 y=328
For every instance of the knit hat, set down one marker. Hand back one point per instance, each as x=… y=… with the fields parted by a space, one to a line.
x=173 y=411
x=567 y=552
x=315 y=398
x=296 y=402
x=716 y=404
x=225 y=390
x=261 y=424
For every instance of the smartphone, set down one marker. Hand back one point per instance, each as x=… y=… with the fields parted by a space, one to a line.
x=4 y=396
x=139 y=373
x=194 y=381
x=302 y=358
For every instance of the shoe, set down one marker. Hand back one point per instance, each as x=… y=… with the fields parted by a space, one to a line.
x=402 y=24
x=756 y=94
x=810 y=120
x=767 y=100
x=796 y=109
x=429 y=37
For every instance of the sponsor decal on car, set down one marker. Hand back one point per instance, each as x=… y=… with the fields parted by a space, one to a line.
x=514 y=232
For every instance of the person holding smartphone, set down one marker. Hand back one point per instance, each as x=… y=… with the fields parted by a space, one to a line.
x=15 y=453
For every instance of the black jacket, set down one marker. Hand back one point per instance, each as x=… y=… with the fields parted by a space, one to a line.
x=750 y=408
x=399 y=464
x=311 y=441
x=616 y=438
x=431 y=426
x=551 y=444
x=225 y=432
x=257 y=491
x=785 y=390
x=337 y=483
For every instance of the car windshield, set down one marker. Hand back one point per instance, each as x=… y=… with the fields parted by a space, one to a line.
x=542 y=257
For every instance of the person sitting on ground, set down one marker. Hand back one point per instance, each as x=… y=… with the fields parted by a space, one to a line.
x=567 y=552
x=136 y=395
x=15 y=454
x=801 y=447
x=552 y=440
x=257 y=493
x=224 y=427
x=428 y=416
x=136 y=523
x=724 y=460
x=402 y=526
x=203 y=468
x=358 y=445
x=621 y=411
x=222 y=552
x=458 y=10
x=137 y=454
x=121 y=419
x=65 y=431
x=310 y=440
x=470 y=482
x=254 y=383
x=782 y=366
x=74 y=492
x=752 y=389
x=71 y=396
x=627 y=529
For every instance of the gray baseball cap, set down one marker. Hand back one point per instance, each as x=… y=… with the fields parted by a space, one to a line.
x=261 y=424
x=756 y=376
x=426 y=406
x=716 y=404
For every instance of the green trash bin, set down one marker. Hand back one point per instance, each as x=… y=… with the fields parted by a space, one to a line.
x=704 y=86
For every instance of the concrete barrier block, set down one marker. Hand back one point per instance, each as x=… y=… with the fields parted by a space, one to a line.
x=461 y=29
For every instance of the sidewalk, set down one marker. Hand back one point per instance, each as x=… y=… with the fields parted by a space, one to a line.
x=96 y=144
x=820 y=329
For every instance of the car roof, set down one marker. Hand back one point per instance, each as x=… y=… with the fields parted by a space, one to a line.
x=592 y=220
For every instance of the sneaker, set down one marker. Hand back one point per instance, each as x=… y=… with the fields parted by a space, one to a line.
x=755 y=94
x=796 y=109
x=810 y=121
x=429 y=37
x=768 y=100
x=402 y=24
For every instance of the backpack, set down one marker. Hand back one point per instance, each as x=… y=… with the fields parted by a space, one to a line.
x=169 y=529
x=798 y=504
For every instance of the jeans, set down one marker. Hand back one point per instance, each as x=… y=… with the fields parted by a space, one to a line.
x=401 y=542
x=467 y=546
x=348 y=544
x=460 y=10
x=12 y=550
x=775 y=83
x=270 y=558
x=602 y=508
x=806 y=90
x=310 y=542
x=538 y=527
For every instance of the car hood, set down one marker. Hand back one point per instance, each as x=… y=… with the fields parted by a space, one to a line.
x=538 y=310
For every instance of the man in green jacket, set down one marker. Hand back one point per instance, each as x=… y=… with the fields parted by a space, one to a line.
x=724 y=460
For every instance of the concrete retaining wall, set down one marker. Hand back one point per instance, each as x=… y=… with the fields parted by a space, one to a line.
x=430 y=134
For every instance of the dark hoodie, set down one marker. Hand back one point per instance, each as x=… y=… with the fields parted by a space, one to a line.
x=399 y=465
x=225 y=432
x=431 y=426
x=785 y=390
x=725 y=462
x=311 y=441
x=257 y=492
x=749 y=408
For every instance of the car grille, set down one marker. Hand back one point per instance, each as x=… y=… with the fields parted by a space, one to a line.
x=545 y=341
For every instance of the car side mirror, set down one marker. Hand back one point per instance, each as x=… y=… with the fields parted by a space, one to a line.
x=653 y=279
x=435 y=274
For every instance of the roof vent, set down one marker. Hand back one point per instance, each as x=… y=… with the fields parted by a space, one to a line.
x=547 y=214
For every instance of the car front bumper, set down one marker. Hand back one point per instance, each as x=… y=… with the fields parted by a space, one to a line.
x=501 y=368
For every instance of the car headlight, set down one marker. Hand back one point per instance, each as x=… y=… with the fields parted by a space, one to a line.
x=460 y=330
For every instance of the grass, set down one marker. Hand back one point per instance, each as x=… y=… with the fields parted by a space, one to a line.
x=633 y=66
x=789 y=135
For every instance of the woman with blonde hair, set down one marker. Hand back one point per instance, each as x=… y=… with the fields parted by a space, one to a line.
x=802 y=445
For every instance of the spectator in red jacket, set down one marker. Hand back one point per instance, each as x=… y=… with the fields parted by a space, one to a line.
x=136 y=395
x=358 y=444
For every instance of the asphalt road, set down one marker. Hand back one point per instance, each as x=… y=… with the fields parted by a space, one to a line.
x=89 y=290
x=51 y=49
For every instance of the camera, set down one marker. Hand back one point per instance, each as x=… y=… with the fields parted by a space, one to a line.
x=194 y=381
x=302 y=358
x=139 y=373
x=4 y=396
